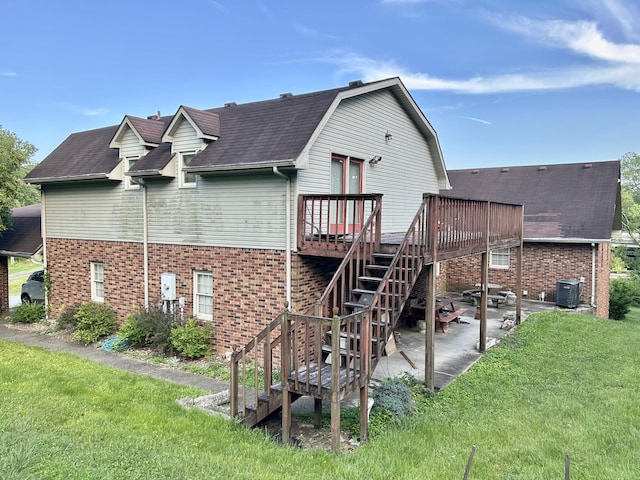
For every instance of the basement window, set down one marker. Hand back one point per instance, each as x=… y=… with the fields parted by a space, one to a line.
x=499 y=258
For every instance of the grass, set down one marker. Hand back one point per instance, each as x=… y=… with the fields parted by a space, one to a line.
x=562 y=384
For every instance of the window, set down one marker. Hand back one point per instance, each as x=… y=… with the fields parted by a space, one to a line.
x=499 y=258
x=186 y=179
x=203 y=295
x=97 y=282
x=129 y=183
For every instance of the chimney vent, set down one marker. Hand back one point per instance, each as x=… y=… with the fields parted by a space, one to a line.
x=355 y=83
x=588 y=165
x=154 y=117
x=230 y=104
x=286 y=95
x=542 y=168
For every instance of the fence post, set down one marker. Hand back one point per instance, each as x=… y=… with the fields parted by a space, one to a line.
x=233 y=387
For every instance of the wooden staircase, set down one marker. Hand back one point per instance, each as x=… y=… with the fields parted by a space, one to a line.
x=332 y=351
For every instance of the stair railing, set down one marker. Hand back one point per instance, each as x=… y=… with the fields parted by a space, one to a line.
x=360 y=253
x=398 y=281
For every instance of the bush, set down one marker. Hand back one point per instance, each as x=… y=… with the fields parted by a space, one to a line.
x=621 y=296
x=27 y=313
x=395 y=396
x=94 y=321
x=67 y=317
x=191 y=339
x=148 y=328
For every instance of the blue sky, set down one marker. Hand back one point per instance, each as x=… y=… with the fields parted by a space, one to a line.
x=503 y=82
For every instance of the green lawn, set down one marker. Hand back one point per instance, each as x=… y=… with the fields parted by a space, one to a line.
x=563 y=384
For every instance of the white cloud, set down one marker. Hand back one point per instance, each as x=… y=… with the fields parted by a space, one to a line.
x=479 y=120
x=599 y=61
x=94 y=112
x=8 y=74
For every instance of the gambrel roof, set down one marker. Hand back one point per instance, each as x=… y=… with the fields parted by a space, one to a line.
x=265 y=134
x=577 y=202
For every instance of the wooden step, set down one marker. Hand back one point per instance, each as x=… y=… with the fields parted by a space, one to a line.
x=363 y=291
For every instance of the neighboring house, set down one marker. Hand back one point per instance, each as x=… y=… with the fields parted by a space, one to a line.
x=570 y=211
x=23 y=240
x=203 y=205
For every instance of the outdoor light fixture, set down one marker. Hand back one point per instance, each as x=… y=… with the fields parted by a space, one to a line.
x=375 y=160
x=387 y=136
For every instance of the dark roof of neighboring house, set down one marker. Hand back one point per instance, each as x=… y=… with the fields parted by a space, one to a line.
x=240 y=136
x=23 y=238
x=565 y=202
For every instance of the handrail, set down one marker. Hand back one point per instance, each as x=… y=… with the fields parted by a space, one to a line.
x=361 y=251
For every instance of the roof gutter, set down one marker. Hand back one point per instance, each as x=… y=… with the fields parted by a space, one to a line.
x=89 y=176
x=240 y=166
x=567 y=240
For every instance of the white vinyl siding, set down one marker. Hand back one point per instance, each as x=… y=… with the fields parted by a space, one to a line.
x=358 y=129
x=246 y=211
x=97 y=282
x=185 y=140
x=130 y=145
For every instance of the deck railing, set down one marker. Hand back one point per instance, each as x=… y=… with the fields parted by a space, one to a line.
x=328 y=223
x=298 y=354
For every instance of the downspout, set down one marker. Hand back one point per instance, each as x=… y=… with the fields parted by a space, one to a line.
x=145 y=242
x=593 y=274
x=43 y=232
x=288 y=231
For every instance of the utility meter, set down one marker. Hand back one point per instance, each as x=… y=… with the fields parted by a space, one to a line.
x=168 y=286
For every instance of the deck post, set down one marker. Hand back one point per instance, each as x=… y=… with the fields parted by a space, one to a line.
x=430 y=301
x=484 y=300
x=365 y=372
x=285 y=364
x=335 y=383
x=233 y=387
x=520 y=259
x=317 y=413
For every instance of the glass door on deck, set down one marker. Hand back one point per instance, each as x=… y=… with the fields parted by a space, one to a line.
x=346 y=178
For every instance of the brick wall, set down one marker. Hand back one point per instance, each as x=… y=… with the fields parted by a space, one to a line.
x=543 y=265
x=249 y=285
x=310 y=277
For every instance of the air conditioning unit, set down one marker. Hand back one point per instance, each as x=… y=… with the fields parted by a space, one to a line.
x=568 y=293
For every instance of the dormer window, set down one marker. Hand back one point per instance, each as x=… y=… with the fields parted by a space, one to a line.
x=129 y=184
x=187 y=180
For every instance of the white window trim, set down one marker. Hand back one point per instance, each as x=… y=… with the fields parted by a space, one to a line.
x=129 y=184
x=182 y=173
x=95 y=281
x=500 y=253
x=196 y=313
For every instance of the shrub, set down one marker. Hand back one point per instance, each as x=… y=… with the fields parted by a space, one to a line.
x=27 y=313
x=148 y=328
x=67 y=317
x=94 y=321
x=395 y=396
x=621 y=296
x=191 y=339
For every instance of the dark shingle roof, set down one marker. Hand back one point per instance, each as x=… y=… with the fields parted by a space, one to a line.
x=82 y=155
x=24 y=238
x=149 y=129
x=268 y=131
x=207 y=121
x=252 y=135
x=562 y=202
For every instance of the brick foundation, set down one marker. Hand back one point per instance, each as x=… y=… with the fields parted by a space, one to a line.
x=249 y=285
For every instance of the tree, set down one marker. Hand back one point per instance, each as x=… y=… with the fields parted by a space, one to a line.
x=15 y=155
x=630 y=192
